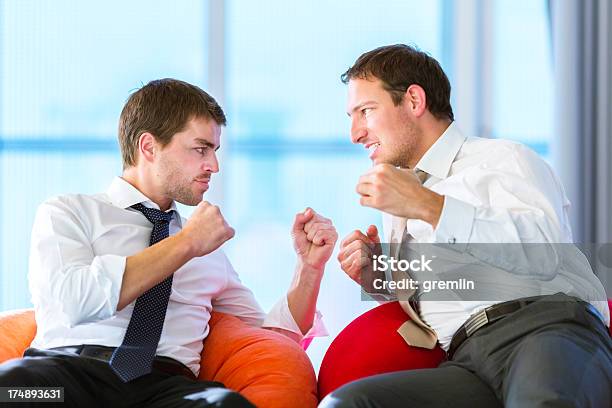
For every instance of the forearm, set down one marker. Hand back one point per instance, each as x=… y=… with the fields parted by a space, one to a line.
x=302 y=295
x=147 y=268
x=431 y=205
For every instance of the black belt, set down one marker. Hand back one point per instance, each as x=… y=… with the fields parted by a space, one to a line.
x=485 y=317
x=165 y=364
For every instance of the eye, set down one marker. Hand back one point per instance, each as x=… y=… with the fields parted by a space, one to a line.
x=201 y=150
x=365 y=111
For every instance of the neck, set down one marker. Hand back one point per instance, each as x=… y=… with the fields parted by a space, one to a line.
x=430 y=131
x=142 y=180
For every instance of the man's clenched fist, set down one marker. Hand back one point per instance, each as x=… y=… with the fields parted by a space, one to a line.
x=206 y=229
x=355 y=256
x=314 y=237
x=399 y=192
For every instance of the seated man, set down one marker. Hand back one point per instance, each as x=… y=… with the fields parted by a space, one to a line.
x=533 y=331
x=123 y=286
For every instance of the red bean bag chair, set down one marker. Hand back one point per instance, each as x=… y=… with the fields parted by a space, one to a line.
x=370 y=345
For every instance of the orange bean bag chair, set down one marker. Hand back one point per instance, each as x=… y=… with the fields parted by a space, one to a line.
x=269 y=369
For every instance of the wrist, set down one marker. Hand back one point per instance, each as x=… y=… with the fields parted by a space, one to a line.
x=186 y=244
x=307 y=273
x=432 y=208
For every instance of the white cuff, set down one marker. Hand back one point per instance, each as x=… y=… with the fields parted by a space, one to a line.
x=455 y=224
x=108 y=270
x=280 y=317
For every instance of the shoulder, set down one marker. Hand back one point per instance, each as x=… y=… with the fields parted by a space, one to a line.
x=501 y=154
x=496 y=146
x=73 y=202
x=74 y=209
x=509 y=164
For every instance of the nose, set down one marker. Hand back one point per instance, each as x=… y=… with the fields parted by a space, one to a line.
x=212 y=163
x=358 y=130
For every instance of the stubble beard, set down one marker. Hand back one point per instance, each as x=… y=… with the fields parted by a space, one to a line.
x=403 y=153
x=176 y=186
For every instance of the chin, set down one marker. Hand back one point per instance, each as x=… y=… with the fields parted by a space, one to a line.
x=197 y=198
x=192 y=201
x=377 y=160
x=380 y=160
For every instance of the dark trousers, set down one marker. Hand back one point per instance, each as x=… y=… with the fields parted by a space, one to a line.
x=92 y=383
x=552 y=353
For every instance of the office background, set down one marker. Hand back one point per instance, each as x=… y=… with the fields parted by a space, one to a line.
x=535 y=71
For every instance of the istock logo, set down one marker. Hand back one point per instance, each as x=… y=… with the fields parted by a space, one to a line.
x=383 y=263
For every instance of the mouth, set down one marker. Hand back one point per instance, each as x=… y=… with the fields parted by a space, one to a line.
x=203 y=182
x=372 y=148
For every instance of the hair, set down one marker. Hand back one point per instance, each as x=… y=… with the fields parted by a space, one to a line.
x=163 y=108
x=399 y=66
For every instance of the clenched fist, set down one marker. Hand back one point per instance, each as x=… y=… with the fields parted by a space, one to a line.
x=399 y=192
x=355 y=256
x=314 y=237
x=206 y=229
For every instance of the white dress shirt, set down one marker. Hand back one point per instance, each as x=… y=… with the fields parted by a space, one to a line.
x=77 y=258
x=498 y=191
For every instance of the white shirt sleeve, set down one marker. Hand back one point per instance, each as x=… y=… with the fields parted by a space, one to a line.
x=238 y=300
x=521 y=201
x=280 y=316
x=64 y=269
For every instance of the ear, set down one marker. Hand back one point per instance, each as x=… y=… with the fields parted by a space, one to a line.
x=416 y=100
x=147 y=147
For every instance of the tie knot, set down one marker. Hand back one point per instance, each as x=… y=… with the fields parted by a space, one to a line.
x=421 y=175
x=154 y=215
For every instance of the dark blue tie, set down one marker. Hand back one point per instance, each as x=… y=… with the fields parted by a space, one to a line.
x=134 y=357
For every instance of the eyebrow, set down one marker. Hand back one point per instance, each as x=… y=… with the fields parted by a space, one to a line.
x=358 y=107
x=206 y=143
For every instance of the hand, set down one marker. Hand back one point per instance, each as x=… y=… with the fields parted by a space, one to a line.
x=399 y=192
x=355 y=256
x=206 y=229
x=314 y=237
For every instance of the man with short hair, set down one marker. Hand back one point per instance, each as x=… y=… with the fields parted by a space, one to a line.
x=123 y=287
x=536 y=335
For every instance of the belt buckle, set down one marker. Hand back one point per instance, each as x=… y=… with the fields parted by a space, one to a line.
x=476 y=322
x=593 y=310
x=97 y=353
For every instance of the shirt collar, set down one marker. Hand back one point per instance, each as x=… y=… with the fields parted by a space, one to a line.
x=438 y=159
x=124 y=195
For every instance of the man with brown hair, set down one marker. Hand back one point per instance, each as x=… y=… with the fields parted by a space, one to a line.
x=517 y=342
x=123 y=286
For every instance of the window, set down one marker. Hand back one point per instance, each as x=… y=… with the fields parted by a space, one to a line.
x=522 y=73
x=66 y=70
x=289 y=133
